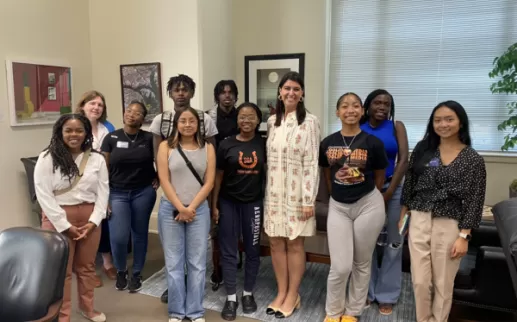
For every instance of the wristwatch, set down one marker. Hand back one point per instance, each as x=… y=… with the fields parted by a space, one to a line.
x=467 y=237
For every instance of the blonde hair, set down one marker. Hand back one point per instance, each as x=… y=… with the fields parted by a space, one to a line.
x=89 y=96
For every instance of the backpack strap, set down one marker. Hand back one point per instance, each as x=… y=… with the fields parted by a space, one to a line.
x=166 y=124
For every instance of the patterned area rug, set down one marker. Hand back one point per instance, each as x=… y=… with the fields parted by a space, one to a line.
x=313 y=291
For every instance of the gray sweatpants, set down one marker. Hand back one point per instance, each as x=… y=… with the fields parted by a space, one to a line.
x=352 y=234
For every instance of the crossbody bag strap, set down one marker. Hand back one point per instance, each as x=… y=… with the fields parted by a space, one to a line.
x=189 y=165
x=82 y=166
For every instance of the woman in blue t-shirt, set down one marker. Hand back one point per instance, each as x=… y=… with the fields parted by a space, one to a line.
x=379 y=120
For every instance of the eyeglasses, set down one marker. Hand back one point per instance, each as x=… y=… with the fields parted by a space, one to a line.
x=133 y=112
x=249 y=118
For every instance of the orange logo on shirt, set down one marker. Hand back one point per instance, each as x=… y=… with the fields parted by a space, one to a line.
x=248 y=162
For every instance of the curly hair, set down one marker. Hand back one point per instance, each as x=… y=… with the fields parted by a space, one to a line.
x=188 y=82
x=61 y=157
x=219 y=89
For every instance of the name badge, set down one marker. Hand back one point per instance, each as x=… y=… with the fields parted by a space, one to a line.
x=122 y=144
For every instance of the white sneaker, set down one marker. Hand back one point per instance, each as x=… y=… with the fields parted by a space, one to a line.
x=174 y=320
x=199 y=320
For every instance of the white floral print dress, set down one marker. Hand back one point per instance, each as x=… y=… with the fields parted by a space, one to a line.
x=292 y=177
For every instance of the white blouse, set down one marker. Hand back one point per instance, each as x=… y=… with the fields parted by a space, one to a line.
x=93 y=187
x=102 y=131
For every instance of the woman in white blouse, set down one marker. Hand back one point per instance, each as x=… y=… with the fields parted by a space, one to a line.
x=93 y=105
x=71 y=184
x=292 y=181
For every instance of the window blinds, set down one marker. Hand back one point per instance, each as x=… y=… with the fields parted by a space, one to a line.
x=423 y=52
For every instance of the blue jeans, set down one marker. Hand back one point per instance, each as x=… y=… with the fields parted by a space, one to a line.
x=184 y=243
x=130 y=213
x=386 y=281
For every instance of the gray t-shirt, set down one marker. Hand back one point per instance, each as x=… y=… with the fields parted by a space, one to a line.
x=157 y=128
x=182 y=179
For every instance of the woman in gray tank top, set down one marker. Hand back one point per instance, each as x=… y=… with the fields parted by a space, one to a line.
x=184 y=215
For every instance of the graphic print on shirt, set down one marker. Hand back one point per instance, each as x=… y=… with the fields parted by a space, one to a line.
x=351 y=164
x=248 y=163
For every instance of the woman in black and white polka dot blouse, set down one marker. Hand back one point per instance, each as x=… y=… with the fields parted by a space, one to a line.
x=444 y=193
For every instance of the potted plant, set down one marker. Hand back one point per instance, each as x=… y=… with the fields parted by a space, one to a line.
x=505 y=70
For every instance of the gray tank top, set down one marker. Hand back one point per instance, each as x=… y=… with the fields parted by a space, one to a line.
x=182 y=179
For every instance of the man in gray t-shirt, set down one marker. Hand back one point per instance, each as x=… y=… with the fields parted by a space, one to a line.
x=181 y=89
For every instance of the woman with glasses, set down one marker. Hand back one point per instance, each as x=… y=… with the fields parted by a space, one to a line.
x=133 y=183
x=238 y=205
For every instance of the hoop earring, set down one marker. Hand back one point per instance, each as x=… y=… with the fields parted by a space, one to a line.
x=301 y=99
x=279 y=97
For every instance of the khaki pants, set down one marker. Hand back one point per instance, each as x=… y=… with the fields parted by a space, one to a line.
x=81 y=260
x=432 y=268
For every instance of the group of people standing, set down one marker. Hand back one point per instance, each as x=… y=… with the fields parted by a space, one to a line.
x=217 y=165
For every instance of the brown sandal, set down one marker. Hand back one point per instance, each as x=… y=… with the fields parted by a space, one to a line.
x=386 y=309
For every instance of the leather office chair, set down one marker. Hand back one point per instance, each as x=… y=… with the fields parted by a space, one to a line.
x=29 y=165
x=505 y=215
x=32 y=274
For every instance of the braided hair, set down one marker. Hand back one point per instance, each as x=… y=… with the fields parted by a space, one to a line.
x=188 y=82
x=61 y=157
x=368 y=101
x=219 y=89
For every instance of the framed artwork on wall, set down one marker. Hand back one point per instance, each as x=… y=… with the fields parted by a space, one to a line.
x=142 y=82
x=38 y=93
x=262 y=75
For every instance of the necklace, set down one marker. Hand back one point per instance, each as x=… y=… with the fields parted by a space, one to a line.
x=347 y=151
x=136 y=137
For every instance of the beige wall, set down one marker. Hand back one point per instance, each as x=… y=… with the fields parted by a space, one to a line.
x=281 y=27
x=217 y=60
x=130 y=32
x=53 y=31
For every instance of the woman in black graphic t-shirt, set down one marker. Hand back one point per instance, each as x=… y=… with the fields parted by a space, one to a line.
x=354 y=164
x=237 y=204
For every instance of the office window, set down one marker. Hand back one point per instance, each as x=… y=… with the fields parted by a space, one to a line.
x=423 y=52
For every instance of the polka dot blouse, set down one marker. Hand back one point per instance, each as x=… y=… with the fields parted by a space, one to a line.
x=455 y=191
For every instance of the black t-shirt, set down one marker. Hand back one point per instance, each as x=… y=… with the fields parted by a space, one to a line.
x=226 y=124
x=243 y=164
x=131 y=164
x=351 y=170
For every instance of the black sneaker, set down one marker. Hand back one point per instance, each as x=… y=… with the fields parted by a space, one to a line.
x=135 y=284
x=121 y=283
x=229 y=312
x=165 y=296
x=248 y=304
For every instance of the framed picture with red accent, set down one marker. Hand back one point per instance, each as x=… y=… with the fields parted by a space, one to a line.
x=38 y=92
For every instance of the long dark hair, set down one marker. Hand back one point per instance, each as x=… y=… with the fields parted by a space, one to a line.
x=426 y=148
x=257 y=111
x=175 y=137
x=61 y=157
x=301 y=112
x=368 y=101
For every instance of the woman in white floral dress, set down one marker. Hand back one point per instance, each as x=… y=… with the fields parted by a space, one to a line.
x=292 y=182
